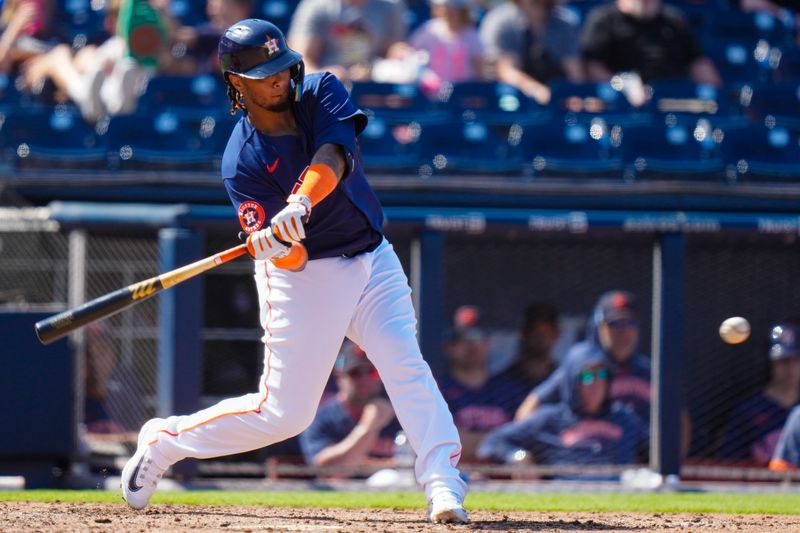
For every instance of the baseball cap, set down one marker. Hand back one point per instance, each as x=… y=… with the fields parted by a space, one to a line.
x=351 y=357
x=615 y=305
x=783 y=341
x=466 y=325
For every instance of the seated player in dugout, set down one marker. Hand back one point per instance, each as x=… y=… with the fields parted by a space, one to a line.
x=478 y=401
x=357 y=427
x=786 y=456
x=585 y=428
x=538 y=336
x=755 y=425
x=613 y=332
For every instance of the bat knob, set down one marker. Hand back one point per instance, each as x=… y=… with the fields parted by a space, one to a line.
x=295 y=260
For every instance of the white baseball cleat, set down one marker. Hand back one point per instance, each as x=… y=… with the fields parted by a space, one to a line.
x=141 y=474
x=447 y=508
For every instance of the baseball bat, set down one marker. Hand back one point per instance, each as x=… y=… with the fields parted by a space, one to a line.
x=53 y=328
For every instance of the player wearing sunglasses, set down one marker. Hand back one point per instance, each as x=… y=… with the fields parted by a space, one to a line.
x=585 y=428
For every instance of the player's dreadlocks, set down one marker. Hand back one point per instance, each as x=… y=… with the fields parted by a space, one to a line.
x=235 y=98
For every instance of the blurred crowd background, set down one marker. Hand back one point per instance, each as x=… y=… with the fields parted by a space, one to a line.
x=629 y=89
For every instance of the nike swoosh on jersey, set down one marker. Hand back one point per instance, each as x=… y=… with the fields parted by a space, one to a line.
x=271 y=168
x=132 y=481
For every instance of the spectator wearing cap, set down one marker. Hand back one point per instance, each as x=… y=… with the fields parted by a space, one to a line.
x=613 y=331
x=755 y=425
x=358 y=426
x=538 y=335
x=584 y=428
x=478 y=401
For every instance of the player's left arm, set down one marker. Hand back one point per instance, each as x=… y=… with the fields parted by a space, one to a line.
x=319 y=180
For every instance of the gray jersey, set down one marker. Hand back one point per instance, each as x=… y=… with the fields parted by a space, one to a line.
x=502 y=32
x=350 y=35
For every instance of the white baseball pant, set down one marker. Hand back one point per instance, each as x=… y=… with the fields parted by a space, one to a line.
x=305 y=317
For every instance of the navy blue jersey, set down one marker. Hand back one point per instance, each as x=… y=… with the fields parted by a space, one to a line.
x=333 y=423
x=554 y=434
x=753 y=430
x=484 y=408
x=259 y=171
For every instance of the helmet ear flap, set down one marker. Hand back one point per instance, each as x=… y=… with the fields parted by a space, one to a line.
x=297 y=73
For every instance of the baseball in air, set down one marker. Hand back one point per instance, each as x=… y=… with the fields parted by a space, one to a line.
x=734 y=330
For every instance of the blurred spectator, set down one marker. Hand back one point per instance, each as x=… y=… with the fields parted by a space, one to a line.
x=614 y=333
x=102 y=358
x=537 y=338
x=25 y=28
x=756 y=423
x=358 y=426
x=478 y=401
x=106 y=79
x=345 y=37
x=645 y=39
x=194 y=49
x=787 y=451
x=449 y=41
x=584 y=428
x=532 y=42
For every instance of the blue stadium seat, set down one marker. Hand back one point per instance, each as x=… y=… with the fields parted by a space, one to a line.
x=9 y=96
x=572 y=148
x=491 y=102
x=52 y=139
x=761 y=153
x=580 y=9
x=80 y=22
x=734 y=24
x=590 y=100
x=388 y=146
x=741 y=61
x=779 y=104
x=787 y=69
x=673 y=151
x=279 y=12
x=468 y=148
x=688 y=101
x=189 y=12
x=163 y=141
x=396 y=101
x=417 y=12
x=185 y=95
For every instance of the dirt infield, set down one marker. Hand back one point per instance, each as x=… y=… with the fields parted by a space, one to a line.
x=81 y=517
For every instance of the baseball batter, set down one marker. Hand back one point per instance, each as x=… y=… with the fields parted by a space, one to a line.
x=293 y=173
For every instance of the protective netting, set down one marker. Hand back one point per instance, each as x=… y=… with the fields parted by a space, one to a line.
x=498 y=272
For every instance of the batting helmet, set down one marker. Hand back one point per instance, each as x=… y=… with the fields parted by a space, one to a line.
x=255 y=49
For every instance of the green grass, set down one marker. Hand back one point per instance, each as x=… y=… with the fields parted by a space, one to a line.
x=740 y=503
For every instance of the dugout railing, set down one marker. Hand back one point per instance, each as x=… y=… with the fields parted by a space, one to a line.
x=198 y=342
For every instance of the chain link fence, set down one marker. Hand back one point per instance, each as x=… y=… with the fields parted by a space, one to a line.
x=116 y=358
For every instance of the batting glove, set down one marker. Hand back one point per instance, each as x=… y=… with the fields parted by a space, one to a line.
x=264 y=245
x=288 y=224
